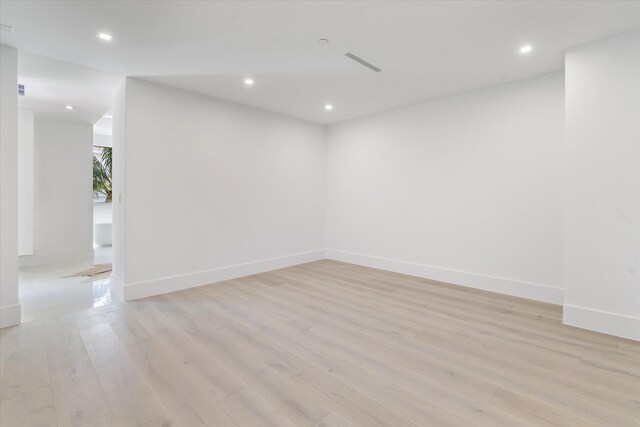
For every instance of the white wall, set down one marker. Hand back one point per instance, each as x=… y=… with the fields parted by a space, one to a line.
x=215 y=189
x=25 y=181
x=467 y=189
x=102 y=140
x=63 y=208
x=118 y=178
x=603 y=186
x=9 y=304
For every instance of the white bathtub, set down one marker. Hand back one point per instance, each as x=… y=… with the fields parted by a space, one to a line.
x=102 y=234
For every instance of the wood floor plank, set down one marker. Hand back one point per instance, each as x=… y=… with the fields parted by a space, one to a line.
x=184 y=396
x=262 y=372
x=334 y=420
x=32 y=408
x=434 y=381
x=536 y=412
x=213 y=376
x=416 y=314
x=131 y=398
x=79 y=397
x=536 y=385
x=24 y=371
x=329 y=354
x=302 y=384
x=319 y=344
x=104 y=421
x=422 y=410
x=247 y=408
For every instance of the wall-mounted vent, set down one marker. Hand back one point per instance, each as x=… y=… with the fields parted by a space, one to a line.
x=21 y=90
x=362 y=62
x=6 y=28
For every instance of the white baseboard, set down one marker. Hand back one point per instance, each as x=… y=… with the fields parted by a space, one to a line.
x=534 y=291
x=165 y=285
x=602 y=321
x=9 y=315
x=54 y=258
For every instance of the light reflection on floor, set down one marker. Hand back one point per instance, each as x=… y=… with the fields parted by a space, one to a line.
x=101 y=292
x=45 y=291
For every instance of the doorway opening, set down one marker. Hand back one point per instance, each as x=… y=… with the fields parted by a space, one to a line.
x=64 y=216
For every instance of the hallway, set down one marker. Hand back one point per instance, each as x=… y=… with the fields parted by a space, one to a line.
x=47 y=291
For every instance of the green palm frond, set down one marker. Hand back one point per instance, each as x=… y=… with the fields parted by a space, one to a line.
x=106 y=158
x=102 y=173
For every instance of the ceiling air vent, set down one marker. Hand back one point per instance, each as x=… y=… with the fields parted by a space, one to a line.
x=21 y=90
x=362 y=62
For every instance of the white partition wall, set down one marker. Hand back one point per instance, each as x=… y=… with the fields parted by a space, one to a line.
x=214 y=190
x=602 y=217
x=119 y=192
x=9 y=304
x=466 y=190
x=62 y=206
x=25 y=181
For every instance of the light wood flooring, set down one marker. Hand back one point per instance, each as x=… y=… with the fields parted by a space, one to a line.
x=321 y=344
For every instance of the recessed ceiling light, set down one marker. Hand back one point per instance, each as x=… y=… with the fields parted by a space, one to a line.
x=108 y=116
x=526 y=49
x=104 y=36
x=69 y=107
x=323 y=41
x=328 y=107
x=248 y=82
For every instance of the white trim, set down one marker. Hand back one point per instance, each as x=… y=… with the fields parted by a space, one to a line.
x=9 y=315
x=49 y=258
x=518 y=288
x=602 y=321
x=184 y=281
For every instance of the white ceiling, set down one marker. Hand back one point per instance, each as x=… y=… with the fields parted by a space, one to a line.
x=50 y=85
x=426 y=49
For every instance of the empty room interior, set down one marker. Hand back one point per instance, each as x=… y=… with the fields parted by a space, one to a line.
x=319 y=213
